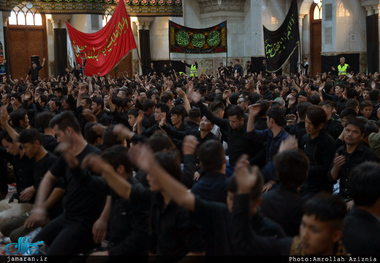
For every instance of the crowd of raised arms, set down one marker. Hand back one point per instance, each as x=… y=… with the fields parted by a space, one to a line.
x=165 y=164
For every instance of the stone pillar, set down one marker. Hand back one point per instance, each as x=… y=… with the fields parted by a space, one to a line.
x=300 y=24
x=372 y=7
x=143 y=25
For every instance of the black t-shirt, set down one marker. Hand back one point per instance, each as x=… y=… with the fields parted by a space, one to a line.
x=41 y=167
x=49 y=143
x=173 y=231
x=34 y=73
x=23 y=170
x=85 y=193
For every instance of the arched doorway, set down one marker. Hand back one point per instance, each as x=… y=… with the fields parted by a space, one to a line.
x=26 y=31
x=315 y=38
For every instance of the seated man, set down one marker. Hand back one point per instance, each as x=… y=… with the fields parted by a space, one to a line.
x=71 y=232
x=284 y=204
x=211 y=215
x=173 y=233
x=321 y=227
x=361 y=233
x=127 y=221
x=31 y=143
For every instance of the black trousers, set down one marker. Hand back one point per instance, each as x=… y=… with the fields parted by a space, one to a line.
x=67 y=236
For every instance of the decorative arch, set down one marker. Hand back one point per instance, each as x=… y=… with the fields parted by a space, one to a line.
x=21 y=15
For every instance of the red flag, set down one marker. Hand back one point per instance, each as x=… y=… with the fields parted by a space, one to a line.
x=104 y=49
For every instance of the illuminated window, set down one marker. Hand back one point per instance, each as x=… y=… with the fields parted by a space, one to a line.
x=342 y=12
x=318 y=11
x=21 y=15
x=12 y=20
x=274 y=21
x=107 y=16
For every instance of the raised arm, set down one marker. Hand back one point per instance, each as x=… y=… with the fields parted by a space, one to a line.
x=143 y=157
x=96 y=164
x=4 y=121
x=196 y=97
x=253 y=112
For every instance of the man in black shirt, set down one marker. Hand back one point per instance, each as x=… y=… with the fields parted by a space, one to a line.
x=71 y=232
x=174 y=234
x=361 y=233
x=319 y=147
x=238 y=141
x=213 y=216
x=22 y=168
x=30 y=141
x=320 y=230
x=238 y=69
x=128 y=221
x=98 y=110
x=33 y=72
x=349 y=155
x=284 y=204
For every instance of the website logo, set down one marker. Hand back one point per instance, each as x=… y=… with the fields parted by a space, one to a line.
x=24 y=247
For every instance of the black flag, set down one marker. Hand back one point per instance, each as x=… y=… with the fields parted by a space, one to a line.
x=280 y=44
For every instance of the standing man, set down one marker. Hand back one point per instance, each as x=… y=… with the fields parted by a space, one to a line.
x=342 y=67
x=193 y=68
x=33 y=72
x=238 y=69
x=222 y=71
x=304 y=67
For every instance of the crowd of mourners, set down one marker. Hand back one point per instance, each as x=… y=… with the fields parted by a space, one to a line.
x=170 y=165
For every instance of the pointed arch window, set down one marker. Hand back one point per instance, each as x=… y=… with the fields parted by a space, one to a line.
x=317 y=14
x=23 y=16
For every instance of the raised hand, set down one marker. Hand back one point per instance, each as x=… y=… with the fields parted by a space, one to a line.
x=245 y=179
x=288 y=144
x=123 y=132
x=4 y=116
x=142 y=156
x=95 y=163
x=66 y=148
x=254 y=109
x=89 y=115
x=82 y=89
x=194 y=96
x=162 y=119
x=189 y=145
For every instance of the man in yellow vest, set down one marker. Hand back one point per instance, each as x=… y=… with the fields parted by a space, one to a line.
x=193 y=68
x=342 y=67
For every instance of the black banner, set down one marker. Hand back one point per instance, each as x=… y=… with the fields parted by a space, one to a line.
x=200 y=41
x=280 y=44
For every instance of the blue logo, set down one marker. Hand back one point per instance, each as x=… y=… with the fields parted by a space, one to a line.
x=24 y=247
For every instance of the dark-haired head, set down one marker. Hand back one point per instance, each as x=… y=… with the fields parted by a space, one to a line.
x=364 y=184
x=110 y=138
x=277 y=114
x=211 y=156
x=65 y=120
x=31 y=142
x=292 y=167
x=160 y=141
x=171 y=163
x=117 y=156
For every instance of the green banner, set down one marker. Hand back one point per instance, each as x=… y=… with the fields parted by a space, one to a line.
x=198 y=41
